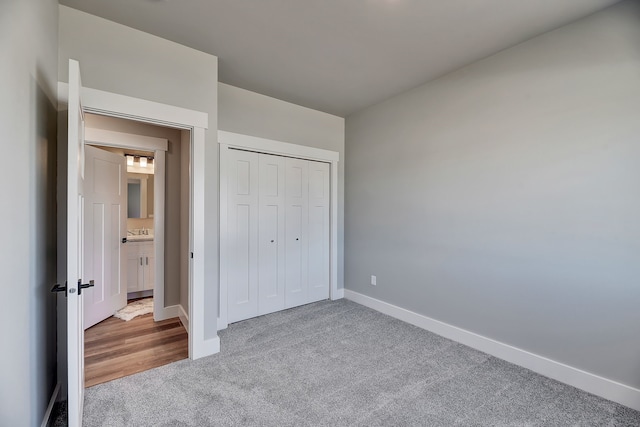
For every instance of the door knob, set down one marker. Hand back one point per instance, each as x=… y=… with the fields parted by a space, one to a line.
x=58 y=288
x=85 y=285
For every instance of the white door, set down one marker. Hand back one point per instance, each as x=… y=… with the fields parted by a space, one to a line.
x=278 y=233
x=318 y=241
x=242 y=214
x=105 y=200
x=75 y=228
x=296 y=227
x=271 y=234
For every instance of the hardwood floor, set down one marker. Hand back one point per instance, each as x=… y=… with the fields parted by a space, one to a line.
x=114 y=348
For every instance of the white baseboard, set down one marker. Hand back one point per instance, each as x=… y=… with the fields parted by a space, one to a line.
x=222 y=325
x=184 y=318
x=207 y=348
x=52 y=401
x=167 y=313
x=338 y=294
x=600 y=386
x=140 y=294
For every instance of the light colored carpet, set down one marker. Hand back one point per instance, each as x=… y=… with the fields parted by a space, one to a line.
x=135 y=309
x=341 y=364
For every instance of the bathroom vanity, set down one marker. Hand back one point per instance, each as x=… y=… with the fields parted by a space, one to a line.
x=140 y=264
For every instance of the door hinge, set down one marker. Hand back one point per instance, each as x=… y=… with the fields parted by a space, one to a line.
x=191 y=255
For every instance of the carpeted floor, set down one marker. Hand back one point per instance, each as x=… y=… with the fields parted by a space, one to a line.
x=338 y=363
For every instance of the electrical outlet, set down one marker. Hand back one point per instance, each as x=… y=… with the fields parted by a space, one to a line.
x=373 y=280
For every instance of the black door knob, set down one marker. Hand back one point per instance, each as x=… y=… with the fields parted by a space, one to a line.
x=82 y=286
x=57 y=288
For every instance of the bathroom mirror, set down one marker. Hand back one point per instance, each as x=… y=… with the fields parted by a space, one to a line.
x=139 y=195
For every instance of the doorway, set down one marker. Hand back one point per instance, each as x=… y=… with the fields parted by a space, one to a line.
x=150 y=166
x=81 y=100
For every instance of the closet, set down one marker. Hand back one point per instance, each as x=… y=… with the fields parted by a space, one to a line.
x=278 y=233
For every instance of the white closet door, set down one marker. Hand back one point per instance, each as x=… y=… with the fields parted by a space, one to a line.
x=242 y=187
x=318 y=240
x=296 y=226
x=271 y=234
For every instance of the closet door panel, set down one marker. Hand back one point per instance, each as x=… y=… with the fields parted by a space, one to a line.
x=271 y=257
x=294 y=251
x=319 y=185
x=296 y=232
x=242 y=188
x=268 y=256
x=242 y=255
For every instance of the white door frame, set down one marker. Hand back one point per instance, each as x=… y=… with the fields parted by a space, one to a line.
x=115 y=105
x=229 y=140
x=159 y=146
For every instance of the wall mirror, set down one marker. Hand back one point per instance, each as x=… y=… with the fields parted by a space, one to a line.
x=139 y=195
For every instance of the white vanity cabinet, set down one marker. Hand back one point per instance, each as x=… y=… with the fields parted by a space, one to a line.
x=140 y=266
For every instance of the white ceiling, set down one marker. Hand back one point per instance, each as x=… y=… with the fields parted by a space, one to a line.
x=340 y=56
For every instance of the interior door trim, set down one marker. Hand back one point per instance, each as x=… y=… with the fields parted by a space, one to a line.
x=202 y=340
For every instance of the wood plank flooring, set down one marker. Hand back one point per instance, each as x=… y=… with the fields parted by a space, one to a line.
x=114 y=348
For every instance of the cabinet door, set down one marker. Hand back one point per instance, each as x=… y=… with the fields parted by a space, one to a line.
x=318 y=241
x=149 y=266
x=296 y=227
x=134 y=281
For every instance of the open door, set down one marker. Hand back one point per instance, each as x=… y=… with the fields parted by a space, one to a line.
x=75 y=238
x=105 y=224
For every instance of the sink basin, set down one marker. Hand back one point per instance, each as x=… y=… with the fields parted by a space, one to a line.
x=140 y=238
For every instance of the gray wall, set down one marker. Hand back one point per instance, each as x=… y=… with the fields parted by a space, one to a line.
x=28 y=72
x=504 y=198
x=122 y=60
x=250 y=113
x=172 y=250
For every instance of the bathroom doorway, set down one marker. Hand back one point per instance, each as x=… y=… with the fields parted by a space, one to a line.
x=152 y=319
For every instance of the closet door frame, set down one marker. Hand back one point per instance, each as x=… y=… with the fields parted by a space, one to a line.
x=230 y=140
